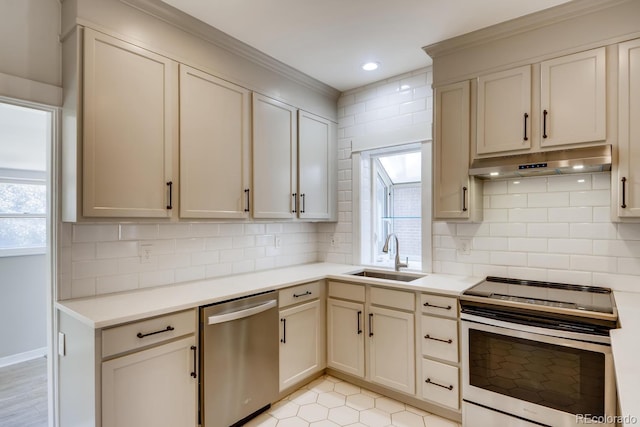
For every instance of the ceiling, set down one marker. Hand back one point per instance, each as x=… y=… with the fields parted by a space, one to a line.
x=331 y=39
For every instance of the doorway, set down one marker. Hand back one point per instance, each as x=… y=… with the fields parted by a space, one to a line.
x=27 y=136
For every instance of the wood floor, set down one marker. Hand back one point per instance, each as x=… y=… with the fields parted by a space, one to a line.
x=23 y=394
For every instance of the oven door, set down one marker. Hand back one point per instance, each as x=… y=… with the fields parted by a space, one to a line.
x=524 y=374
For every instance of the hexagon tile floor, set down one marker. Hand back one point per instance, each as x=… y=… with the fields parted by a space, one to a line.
x=330 y=402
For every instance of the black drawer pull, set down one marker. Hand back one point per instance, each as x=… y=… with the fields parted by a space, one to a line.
x=370 y=324
x=295 y=202
x=526 y=116
x=426 y=304
x=428 y=381
x=359 y=327
x=624 y=190
x=193 y=373
x=247 y=192
x=449 y=341
x=170 y=185
x=284 y=331
x=464 y=199
x=302 y=295
x=167 y=329
x=544 y=124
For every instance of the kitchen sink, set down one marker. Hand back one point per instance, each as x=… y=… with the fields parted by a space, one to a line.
x=388 y=275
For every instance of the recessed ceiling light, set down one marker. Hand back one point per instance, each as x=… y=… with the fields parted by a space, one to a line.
x=494 y=173
x=516 y=182
x=578 y=167
x=581 y=180
x=370 y=66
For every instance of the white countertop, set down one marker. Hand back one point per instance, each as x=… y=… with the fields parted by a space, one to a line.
x=625 y=345
x=109 y=310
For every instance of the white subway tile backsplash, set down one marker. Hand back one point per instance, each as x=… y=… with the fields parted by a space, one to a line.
x=570 y=246
x=551 y=261
x=601 y=181
x=157 y=278
x=629 y=231
x=490 y=243
x=548 y=200
x=94 y=233
x=569 y=276
x=566 y=214
x=116 y=249
x=590 y=198
x=573 y=182
x=594 y=263
x=190 y=245
x=484 y=270
x=527 y=273
x=506 y=229
x=81 y=288
x=528 y=215
x=204 y=229
x=509 y=258
x=503 y=201
x=244 y=241
x=472 y=230
x=594 y=230
x=529 y=185
x=174 y=231
x=495 y=215
x=205 y=258
x=139 y=231
x=629 y=266
x=218 y=270
x=88 y=269
x=495 y=187
x=523 y=244
x=83 y=251
x=617 y=248
x=217 y=243
x=188 y=274
x=118 y=283
x=548 y=229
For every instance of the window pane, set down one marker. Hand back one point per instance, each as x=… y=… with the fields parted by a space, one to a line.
x=23 y=198
x=23 y=233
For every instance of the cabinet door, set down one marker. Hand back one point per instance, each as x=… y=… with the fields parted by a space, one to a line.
x=391 y=349
x=317 y=159
x=345 y=336
x=299 y=343
x=504 y=107
x=130 y=118
x=214 y=147
x=153 y=387
x=275 y=159
x=573 y=98
x=451 y=152
x=628 y=188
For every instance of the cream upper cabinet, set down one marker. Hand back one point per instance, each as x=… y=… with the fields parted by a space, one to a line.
x=214 y=147
x=130 y=130
x=628 y=183
x=455 y=195
x=503 y=111
x=573 y=98
x=274 y=159
x=317 y=158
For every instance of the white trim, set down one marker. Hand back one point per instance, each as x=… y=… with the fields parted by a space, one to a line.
x=30 y=90
x=9 y=252
x=23 y=357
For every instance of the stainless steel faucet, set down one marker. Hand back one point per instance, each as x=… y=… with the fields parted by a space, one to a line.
x=385 y=249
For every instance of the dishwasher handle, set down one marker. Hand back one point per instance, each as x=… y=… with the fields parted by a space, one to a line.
x=240 y=314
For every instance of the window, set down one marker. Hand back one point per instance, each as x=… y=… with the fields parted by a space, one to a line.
x=394 y=206
x=24 y=134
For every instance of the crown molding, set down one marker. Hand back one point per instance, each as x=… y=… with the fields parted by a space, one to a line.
x=523 y=24
x=206 y=32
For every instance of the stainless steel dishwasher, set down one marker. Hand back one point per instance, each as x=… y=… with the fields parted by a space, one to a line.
x=238 y=359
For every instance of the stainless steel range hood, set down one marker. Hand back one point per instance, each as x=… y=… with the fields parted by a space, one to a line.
x=575 y=160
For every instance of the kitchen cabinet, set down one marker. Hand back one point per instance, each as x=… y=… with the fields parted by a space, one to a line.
x=440 y=376
x=503 y=111
x=130 y=123
x=214 y=147
x=455 y=194
x=573 y=98
x=301 y=333
x=626 y=190
x=317 y=158
x=275 y=154
x=385 y=319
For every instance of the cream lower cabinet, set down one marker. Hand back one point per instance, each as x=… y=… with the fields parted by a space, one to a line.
x=155 y=387
x=215 y=136
x=626 y=190
x=301 y=333
x=345 y=336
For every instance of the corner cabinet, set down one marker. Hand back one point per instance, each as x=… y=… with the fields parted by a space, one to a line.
x=455 y=194
x=626 y=191
x=214 y=147
x=130 y=124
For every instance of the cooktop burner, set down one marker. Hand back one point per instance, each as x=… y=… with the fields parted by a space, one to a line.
x=543 y=295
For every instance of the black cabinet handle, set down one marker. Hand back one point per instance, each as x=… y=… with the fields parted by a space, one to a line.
x=295 y=202
x=428 y=381
x=193 y=374
x=302 y=197
x=284 y=331
x=464 y=199
x=544 y=123
x=359 y=327
x=302 y=295
x=526 y=116
x=624 y=191
x=429 y=337
x=370 y=324
x=248 y=208
x=170 y=185
x=426 y=304
x=167 y=329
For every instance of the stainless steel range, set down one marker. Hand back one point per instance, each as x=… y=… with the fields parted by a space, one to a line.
x=537 y=353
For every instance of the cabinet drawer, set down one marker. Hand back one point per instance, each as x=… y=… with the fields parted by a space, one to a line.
x=145 y=332
x=440 y=338
x=297 y=294
x=346 y=291
x=440 y=383
x=393 y=298
x=440 y=305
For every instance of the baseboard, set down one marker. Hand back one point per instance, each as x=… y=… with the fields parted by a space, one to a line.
x=23 y=357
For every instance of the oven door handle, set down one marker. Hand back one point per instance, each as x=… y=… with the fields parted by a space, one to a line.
x=590 y=342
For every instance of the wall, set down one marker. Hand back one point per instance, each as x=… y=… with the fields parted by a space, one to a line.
x=97 y=259
x=554 y=228
x=390 y=112
x=23 y=310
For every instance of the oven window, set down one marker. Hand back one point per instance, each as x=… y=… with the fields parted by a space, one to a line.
x=566 y=379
